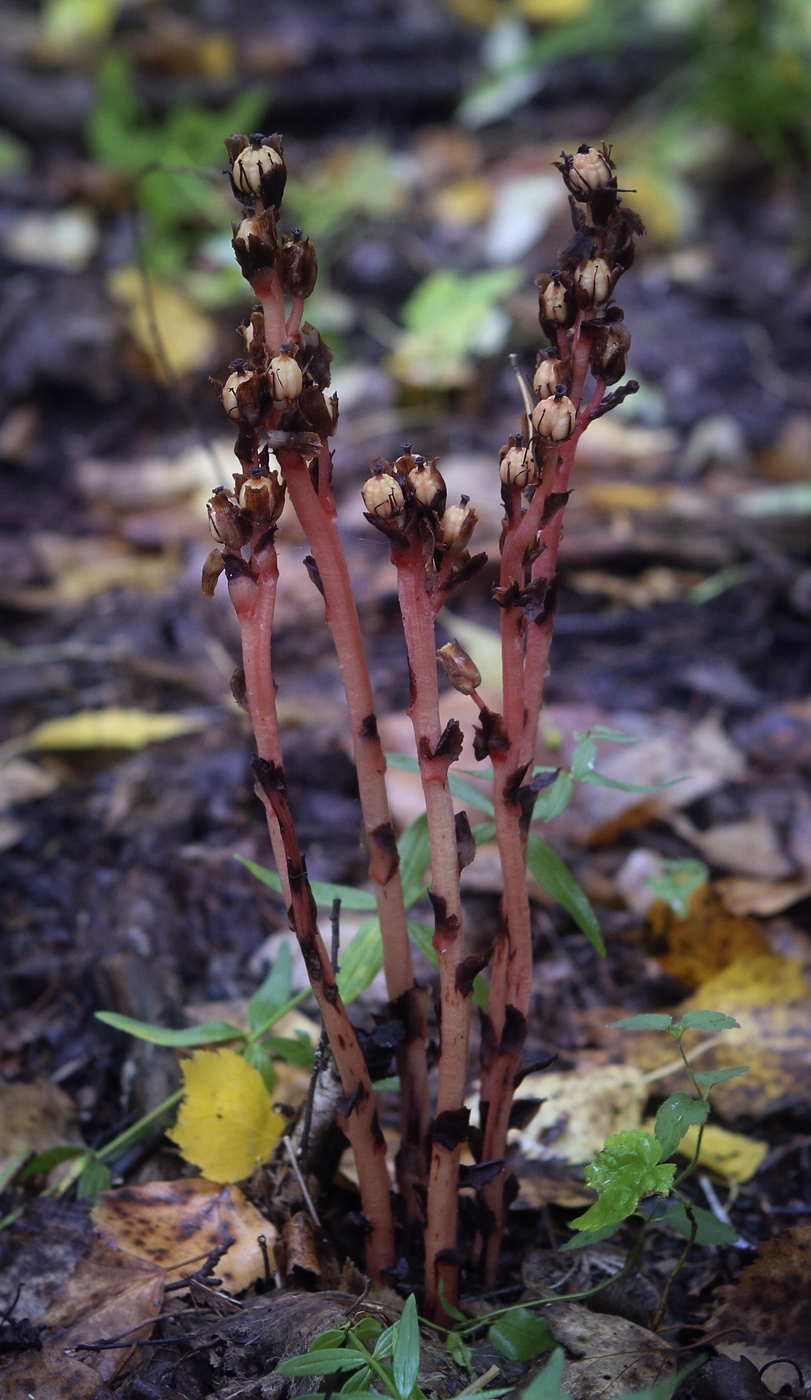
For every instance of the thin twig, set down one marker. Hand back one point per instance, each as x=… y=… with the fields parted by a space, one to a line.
x=302 y=1183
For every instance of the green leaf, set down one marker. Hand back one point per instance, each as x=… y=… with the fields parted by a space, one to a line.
x=554 y=800
x=321 y=1363
x=626 y=1170
x=406 y=1360
x=95 y=1178
x=459 y=1350
x=583 y=758
x=678 y=883
x=485 y=831
x=390 y=1085
x=423 y=936
x=607 y=735
x=45 y=1161
x=414 y=848
x=333 y=1337
x=707 y=1021
x=710 y=1229
x=368 y=1327
x=521 y=1335
x=358 y=1384
x=557 y=879
x=676 y=1115
x=587 y=1237
x=448 y=318
x=274 y=991
x=299 y=1051
x=546 y=1385
x=210 y=1033
x=256 y=1055
x=647 y=1021
x=361 y=962
x=450 y=1308
x=324 y=893
x=466 y=792
x=709 y=1077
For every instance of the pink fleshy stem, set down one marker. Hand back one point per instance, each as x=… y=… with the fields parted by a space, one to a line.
x=317 y=514
x=357 y=1112
x=295 y=318
x=436 y=750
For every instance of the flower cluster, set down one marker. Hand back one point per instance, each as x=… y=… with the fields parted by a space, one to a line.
x=408 y=497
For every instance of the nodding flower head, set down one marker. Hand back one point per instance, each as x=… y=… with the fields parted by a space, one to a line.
x=518 y=468
x=588 y=170
x=426 y=485
x=456 y=526
x=383 y=495
x=461 y=670
x=243 y=394
x=550 y=373
x=595 y=281
x=557 y=305
x=554 y=418
x=228 y=524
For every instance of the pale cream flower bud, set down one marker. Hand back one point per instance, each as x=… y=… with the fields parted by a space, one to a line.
x=593 y=278
x=382 y=495
x=284 y=377
x=555 y=302
x=230 y=402
x=554 y=418
x=590 y=170
x=454 y=529
x=547 y=377
x=518 y=468
x=252 y=168
x=426 y=484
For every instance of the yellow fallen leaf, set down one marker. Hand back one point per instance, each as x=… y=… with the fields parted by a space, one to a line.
x=750 y=982
x=580 y=1111
x=227 y=1122
x=695 y=948
x=552 y=11
x=110 y=729
x=170 y=329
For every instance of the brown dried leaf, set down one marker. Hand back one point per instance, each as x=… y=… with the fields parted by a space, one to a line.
x=771 y=1302
x=175 y=1224
x=609 y=1355
x=763 y=897
x=51 y=1375
x=110 y=1292
x=34 y=1117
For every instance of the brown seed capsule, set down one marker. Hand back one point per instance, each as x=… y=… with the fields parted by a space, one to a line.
x=594 y=279
x=235 y=390
x=255 y=242
x=609 y=353
x=518 y=468
x=297 y=265
x=256 y=171
x=461 y=670
x=228 y=524
x=556 y=302
x=212 y=569
x=456 y=526
x=589 y=170
x=284 y=377
x=554 y=418
x=382 y=495
x=427 y=485
x=262 y=498
x=548 y=375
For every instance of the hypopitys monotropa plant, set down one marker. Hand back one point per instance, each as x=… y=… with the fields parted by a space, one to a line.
x=275 y=394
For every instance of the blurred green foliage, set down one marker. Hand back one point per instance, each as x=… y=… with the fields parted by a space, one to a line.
x=169 y=160
x=742 y=64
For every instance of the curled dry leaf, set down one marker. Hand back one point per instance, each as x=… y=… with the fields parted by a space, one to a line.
x=771 y=1303
x=607 y=1356
x=175 y=1224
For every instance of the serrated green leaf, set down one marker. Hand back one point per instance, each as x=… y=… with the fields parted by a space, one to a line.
x=583 y=758
x=710 y=1229
x=554 y=800
x=321 y=1363
x=256 y=1055
x=46 y=1161
x=587 y=1237
x=557 y=879
x=406 y=1360
x=274 y=991
x=414 y=848
x=678 y=883
x=546 y=1385
x=521 y=1335
x=627 y=1169
x=299 y=1051
x=95 y=1178
x=646 y=1021
x=707 y=1021
x=361 y=962
x=710 y=1077
x=324 y=893
x=675 y=1116
x=210 y=1033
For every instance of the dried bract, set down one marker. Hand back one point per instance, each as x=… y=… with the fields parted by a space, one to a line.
x=297 y=265
x=461 y=670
